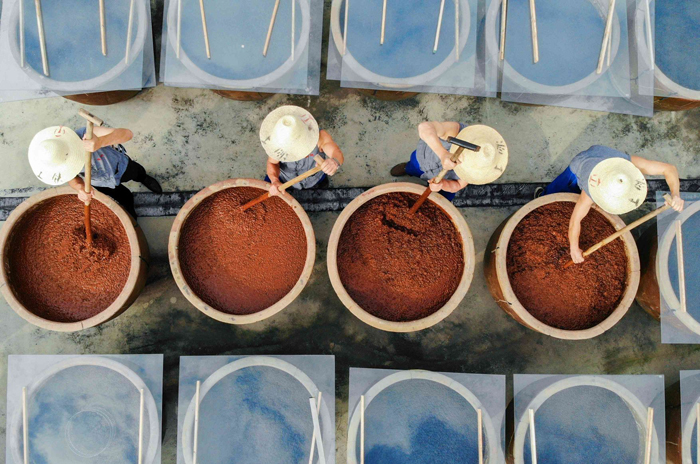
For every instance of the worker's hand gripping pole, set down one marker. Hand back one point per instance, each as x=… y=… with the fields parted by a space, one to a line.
x=463 y=145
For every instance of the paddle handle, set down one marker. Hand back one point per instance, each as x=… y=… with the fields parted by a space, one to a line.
x=454 y=158
x=625 y=229
x=319 y=165
x=87 y=184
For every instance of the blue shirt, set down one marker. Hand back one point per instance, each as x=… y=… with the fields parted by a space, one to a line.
x=429 y=161
x=584 y=162
x=108 y=164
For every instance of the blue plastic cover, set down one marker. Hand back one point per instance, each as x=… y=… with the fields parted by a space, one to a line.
x=588 y=418
x=75 y=63
x=569 y=50
x=409 y=60
x=237 y=32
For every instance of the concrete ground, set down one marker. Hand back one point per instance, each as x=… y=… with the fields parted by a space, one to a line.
x=191 y=138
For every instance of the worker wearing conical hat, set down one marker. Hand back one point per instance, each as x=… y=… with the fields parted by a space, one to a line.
x=57 y=156
x=291 y=138
x=614 y=181
x=434 y=153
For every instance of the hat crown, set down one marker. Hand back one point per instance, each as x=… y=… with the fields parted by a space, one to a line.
x=53 y=152
x=287 y=128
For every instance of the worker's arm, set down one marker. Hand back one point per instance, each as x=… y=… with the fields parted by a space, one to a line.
x=583 y=206
x=448 y=185
x=273 y=172
x=670 y=173
x=106 y=137
x=334 y=155
x=432 y=133
x=78 y=184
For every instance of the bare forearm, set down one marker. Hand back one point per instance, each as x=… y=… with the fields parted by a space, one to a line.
x=574 y=232
x=77 y=184
x=673 y=180
x=452 y=186
x=273 y=171
x=429 y=135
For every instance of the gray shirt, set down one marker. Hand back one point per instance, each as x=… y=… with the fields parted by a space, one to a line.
x=289 y=171
x=584 y=162
x=429 y=161
x=108 y=164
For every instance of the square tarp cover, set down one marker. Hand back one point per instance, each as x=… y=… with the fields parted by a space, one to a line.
x=256 y=409
x=85 y=409
x=569 y=51
x=589 y=418
x=425 y=417
x=679 y=323
x=75 y=62
x=237 y=32
x=409 y=60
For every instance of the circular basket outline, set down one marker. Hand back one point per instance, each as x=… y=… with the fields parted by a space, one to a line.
x=493 y=48
x=460 y=225
x=677 y=90
x=256 y=82
x=501 y=251
x=400 y=82
x=668 y=294
x=137 y=260
x=257 y=361
x=150 y=407
x=174 y=259
x=638 y=410
x=88 y=84
x=492 y=437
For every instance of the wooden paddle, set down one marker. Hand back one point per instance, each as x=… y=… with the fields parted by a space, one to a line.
x=455 y=158
x=631 y=226
x=319 y=162
x=91 y=120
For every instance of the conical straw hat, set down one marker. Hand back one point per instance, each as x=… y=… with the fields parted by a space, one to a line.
x=289 y=133
x=617 y=186
x=486 y=165
x=56 y=155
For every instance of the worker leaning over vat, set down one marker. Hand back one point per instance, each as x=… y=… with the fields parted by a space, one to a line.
x=614 y=181
x=474 y=154
x=111 y=166
x=295 y=145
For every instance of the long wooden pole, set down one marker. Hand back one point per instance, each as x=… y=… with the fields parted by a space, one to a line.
x=271 y=26
x=313 y=438
x=286 y=185
x=624 y=230
x=25 y=426
x=196 y=423
x=204 y=29
x=42 y=37
x=681 y=265
x=533 y=30
x=480 y=428
x=504 y=13
x=103 y=28
x=533 y=439
x=317 y=431
x=649 y=436
x=140 y=461
x=179 y=28
x=439 y=26
x=362 y=429
x=88 y=186
x=128 y=32
x=381 y=39
x=606 y=36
